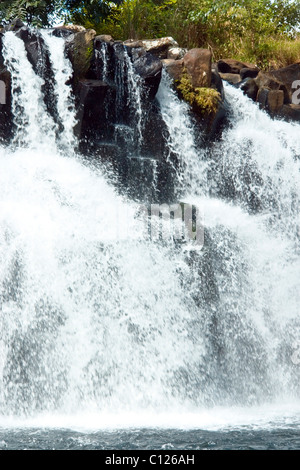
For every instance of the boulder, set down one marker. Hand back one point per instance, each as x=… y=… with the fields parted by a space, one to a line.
x=79 y=49
x=267 y=80
x=233 y=66
x=176 y=53
x=159 y=47
x=247 y=72
x=231 y=78
x=271 y=100
x=104 y=38
x=149 y=68
x=133 y=43
x=287 y=76
x=197 y=63
x=174 y=68
x=249 y=88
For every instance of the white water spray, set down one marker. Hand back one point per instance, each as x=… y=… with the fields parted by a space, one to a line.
x=87 y=324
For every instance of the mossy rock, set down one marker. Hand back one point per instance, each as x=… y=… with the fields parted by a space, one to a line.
x=204 y=101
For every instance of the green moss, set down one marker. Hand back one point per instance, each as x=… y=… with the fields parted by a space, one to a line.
x=205 y=100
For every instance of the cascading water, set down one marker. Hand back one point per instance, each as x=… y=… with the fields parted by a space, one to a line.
x=87 y=325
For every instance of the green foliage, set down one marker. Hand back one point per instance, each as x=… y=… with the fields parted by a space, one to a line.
x=248 y=30
x=35 y=12
x=205 y=100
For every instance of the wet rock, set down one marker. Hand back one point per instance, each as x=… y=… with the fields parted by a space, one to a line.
x=6 y=117
x=62 y=32
x=249 y=88
x=92 y=100
x=149 y=68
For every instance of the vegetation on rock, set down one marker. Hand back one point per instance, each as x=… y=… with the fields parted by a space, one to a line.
x=205 y=100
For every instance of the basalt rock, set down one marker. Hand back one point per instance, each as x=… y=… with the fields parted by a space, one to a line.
x=79 y=49
x=174 y=68
x=269 y=81
x=233 y=66
x=198 y=65
x=6 y=117
x=288 y=76
x=271 y=100
x=149 y=68
x=93 y=96
x=232 y=78
x=176 y=53
x=249 y=88
x=248 y=73
x=159 y=47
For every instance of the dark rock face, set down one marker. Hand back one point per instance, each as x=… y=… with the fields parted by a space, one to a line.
x=5 y=99
x=5 y=105
x=62 y=32
x=149 y=68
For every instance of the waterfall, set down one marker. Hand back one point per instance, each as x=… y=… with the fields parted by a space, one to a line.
x=96 y=317
x=129 y=97
x=33 y=123
x=65 y=102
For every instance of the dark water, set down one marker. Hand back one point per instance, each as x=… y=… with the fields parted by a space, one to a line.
x=150 y=439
